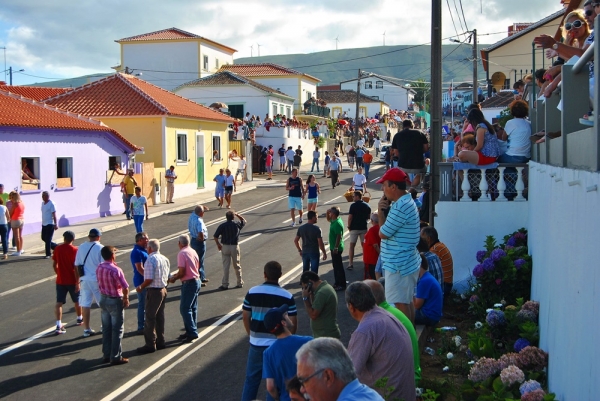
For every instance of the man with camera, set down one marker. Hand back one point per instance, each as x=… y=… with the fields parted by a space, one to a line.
x=320 y=301
x=87 y=260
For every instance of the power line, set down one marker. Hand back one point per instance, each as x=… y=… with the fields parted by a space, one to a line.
x=463 y=14
x=458 y=15
x=451 y=17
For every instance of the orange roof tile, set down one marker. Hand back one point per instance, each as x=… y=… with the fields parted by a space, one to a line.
x=263 y=70
x=121 y=95
x=34 y=92
x=19 y=111
x=169 y=34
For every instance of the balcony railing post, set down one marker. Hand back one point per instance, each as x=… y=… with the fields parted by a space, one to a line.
x=483 y=187
x=520 y=185
x=446 y=182
x=465 y=186
x=501 y=186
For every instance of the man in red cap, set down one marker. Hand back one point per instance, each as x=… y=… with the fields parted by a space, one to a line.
x=400 y=235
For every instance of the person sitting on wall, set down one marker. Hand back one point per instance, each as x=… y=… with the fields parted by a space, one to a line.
x=429 y=299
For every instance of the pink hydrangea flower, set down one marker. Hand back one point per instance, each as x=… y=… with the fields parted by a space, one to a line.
x=512 y=375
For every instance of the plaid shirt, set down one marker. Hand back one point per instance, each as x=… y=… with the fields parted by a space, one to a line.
x=111 y=279
x=156 y=268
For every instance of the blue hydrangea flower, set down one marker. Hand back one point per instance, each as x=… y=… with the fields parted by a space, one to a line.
x=512 y=241
x=495 y=318
x=488 y=265
x=519 y=263
x=520 y=344
x=529 y=386
x=478 y=271
x=497 y=254
x=481 y=256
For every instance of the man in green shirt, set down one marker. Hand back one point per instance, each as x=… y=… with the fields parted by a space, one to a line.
x=3 y=194
x=320 y=301
x=379 y=293
x=336 y=244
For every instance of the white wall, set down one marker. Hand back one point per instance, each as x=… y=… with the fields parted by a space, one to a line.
x=292 y=86
x=213 y=52
x=492 y=112
x=564 y=225
x=171 y=56
x=395 y=96
x=463 y=227
x=350 y=109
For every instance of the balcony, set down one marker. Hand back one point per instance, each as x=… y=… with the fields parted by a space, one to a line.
x=318 y=111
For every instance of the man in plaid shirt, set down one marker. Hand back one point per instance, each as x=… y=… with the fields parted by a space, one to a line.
x=114 y=299
x=156 y=275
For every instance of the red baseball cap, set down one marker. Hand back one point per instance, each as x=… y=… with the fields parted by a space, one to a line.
x=395 y=175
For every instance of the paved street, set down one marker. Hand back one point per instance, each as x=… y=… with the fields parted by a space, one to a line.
x=35 y=363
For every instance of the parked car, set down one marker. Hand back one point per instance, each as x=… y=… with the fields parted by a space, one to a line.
x=382 y=153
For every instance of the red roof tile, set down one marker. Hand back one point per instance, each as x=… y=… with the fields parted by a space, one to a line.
x=19 y=111
x=229 y=78
x=168 y=34
x=262 y=70
x=34 y=92
x=123 y=95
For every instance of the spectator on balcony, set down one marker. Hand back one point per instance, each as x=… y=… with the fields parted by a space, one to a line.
x=487 y=149
x=517 y=134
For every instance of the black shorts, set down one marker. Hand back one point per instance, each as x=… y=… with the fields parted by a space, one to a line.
x=228 y=189
x=61 y=293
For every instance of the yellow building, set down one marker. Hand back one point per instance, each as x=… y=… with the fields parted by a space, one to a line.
x=172 y=130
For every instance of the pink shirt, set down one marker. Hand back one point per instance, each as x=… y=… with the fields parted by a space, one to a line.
x=111 y=279
x=18 y=211
x=188 y=259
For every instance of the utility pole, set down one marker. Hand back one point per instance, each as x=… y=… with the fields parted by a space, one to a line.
x=357 y=106
x=10 y=75
x=436 y=106
x=258 y=49
x=475 y=97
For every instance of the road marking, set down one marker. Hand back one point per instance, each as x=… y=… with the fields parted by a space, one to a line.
x=376 y=179
x=236 y=311
x=167 y=238
x=27 y=341
x=329 y=201
x=249 y=238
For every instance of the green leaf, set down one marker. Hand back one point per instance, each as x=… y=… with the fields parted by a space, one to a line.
x=498 y=386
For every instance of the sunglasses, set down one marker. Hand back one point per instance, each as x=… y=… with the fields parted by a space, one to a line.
x=588 y=13
x=575 y=24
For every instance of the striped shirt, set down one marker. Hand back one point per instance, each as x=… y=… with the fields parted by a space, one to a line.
x=399 y=251
x=447 y=264
x=435 y=266
x=229 y=232
x=196 y=225
x=156 y=268
x=111 y=279
x=258 y=301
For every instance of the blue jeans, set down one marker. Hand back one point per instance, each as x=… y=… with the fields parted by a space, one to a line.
x=367 y=167
x=47 y=234
x=112 y=326
x=200 y=248
x=315 y=161
x=4 y=237
x=290 y=165
x=254 y=373
x=188 y=306
x=138 y=221
x=310 y=260
x=128 y=205
x=420 y=318
x=141 y=311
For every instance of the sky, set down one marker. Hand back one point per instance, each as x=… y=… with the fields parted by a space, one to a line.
x=60 y=39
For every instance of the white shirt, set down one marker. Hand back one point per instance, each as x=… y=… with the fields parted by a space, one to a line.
x=3 y=214
x=359 y=180
x=377 y=144
x=241 y=164
x=94 y=258
x=47 y=210
x=519 y=132
x=316 y=154
x=290 y=154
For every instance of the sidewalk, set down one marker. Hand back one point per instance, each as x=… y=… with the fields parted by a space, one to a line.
x=33 y=244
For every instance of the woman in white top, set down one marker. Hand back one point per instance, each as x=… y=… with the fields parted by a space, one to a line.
x=4 y=219
x=359 y=182
x=517 y=132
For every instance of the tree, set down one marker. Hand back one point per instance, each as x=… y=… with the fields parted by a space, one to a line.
x=423 y=95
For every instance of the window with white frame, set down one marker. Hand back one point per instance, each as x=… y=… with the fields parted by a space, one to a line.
x=216 y=148
x=274 y=109
x=368 y=84
x=281 y=109
x=64 y=172
x=217 y=63
x=288 y=111
x=308 y=95
x=182 y=147
x=378 y=84
x=205 y=64
x=113 y=162
x=30 y=172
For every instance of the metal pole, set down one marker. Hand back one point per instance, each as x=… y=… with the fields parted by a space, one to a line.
x=436 y=105
x=10 y=75
x=357 y=106
x=475 y=97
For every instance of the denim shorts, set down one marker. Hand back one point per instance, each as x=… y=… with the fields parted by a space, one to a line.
x=63 y=290
x=294 y=202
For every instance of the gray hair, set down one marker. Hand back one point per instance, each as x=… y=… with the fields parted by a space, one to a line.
x=184 y=239
x=154 y=245
x=360 y=296
x=328 y=353
x=375 y=218
x=377 y=289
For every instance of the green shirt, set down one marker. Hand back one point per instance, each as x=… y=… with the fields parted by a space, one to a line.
x=325 y=301
x=4 y=197
x=336 y=228
x=411 y=332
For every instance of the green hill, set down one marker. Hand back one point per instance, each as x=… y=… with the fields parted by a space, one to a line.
x=407 y=62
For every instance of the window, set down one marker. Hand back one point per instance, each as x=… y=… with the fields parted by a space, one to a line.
x=281 y=109
x=308 y=95
x=236 y=110
x=368 y=84
x=216 y=145
x=64 y=172
x=378 y=84
x=205 y=64
x=113 y=161
x=375 y=97
x=30 y=173
x=288 y=111
x=274 y=109
x=182 y=148
x=217 y=63
x=507 y=84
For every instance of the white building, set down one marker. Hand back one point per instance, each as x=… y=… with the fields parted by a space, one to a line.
x=170 y=57
x=341 y=101
x=293 y=83
x=389 y=90
x=239 y=93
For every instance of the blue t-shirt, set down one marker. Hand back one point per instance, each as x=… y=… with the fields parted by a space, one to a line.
x=220 y=179
x=138 y=255
x=360 y=152
x=279 y=361
x=429 y=289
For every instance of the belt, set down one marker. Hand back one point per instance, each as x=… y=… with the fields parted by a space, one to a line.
x=155 y=288
x=108 y=296
x=190 y=280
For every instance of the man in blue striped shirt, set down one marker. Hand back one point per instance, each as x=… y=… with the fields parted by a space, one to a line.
x=258 y=301
x=399 y=238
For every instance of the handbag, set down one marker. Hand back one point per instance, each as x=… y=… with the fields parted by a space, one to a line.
x=80 y=268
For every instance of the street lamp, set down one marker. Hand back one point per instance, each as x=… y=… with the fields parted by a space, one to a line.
x=474 y=45
x=10 y=73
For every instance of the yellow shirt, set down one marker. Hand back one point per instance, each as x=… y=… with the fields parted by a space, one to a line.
x=129 y=185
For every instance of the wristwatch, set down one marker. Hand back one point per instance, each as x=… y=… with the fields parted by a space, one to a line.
x=555 y=46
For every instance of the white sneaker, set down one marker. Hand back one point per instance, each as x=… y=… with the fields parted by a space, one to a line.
x=293 y=224
x=61 y=330
x=16 y=253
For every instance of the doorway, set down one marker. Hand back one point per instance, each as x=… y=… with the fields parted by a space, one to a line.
x=200 y=159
